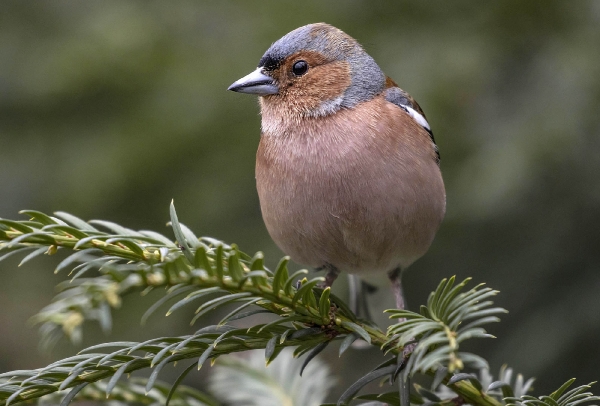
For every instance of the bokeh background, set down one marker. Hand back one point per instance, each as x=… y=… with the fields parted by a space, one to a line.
x=110 y=109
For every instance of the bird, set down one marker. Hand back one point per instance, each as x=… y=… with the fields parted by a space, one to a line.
x=347 y=168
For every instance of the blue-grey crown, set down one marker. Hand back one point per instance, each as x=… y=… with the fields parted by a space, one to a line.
x=367 y=78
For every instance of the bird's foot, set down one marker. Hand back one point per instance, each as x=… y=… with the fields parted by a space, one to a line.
x=402 y=359
x=330 y=276
x=407 y=351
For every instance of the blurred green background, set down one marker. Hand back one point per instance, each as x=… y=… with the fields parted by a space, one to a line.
x=110 y=109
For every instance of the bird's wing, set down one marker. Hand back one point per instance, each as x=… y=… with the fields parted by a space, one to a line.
x=405 y=101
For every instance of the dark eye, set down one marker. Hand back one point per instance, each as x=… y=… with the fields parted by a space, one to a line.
x=300 y=68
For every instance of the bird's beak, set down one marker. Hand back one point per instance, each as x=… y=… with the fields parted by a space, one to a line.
x=255 y=83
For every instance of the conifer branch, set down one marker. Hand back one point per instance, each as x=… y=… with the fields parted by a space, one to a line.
x=211 y=273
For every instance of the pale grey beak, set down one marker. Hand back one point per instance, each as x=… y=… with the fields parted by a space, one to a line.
x=255 y=83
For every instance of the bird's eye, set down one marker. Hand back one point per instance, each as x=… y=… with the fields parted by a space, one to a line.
x=300 y=68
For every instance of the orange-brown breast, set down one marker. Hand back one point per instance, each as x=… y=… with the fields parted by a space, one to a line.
x=359 y=189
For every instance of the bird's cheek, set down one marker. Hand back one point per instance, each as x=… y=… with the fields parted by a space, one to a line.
x=318 y=91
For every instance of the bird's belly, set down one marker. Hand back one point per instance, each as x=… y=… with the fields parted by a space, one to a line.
x=357 y=220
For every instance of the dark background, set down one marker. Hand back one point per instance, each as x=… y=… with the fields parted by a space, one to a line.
x=110 y=109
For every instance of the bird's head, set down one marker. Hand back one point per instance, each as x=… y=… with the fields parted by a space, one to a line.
x=314 y=70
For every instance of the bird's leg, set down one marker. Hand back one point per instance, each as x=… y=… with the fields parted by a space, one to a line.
x=395 y=278
x=330 y=276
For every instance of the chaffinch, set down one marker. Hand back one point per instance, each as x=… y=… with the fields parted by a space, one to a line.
x=347 y=169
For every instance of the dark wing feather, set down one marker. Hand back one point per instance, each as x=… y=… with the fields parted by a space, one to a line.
x=405 y=101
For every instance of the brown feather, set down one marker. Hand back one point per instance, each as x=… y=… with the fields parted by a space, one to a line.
x=357 y=189
x=303 y=95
